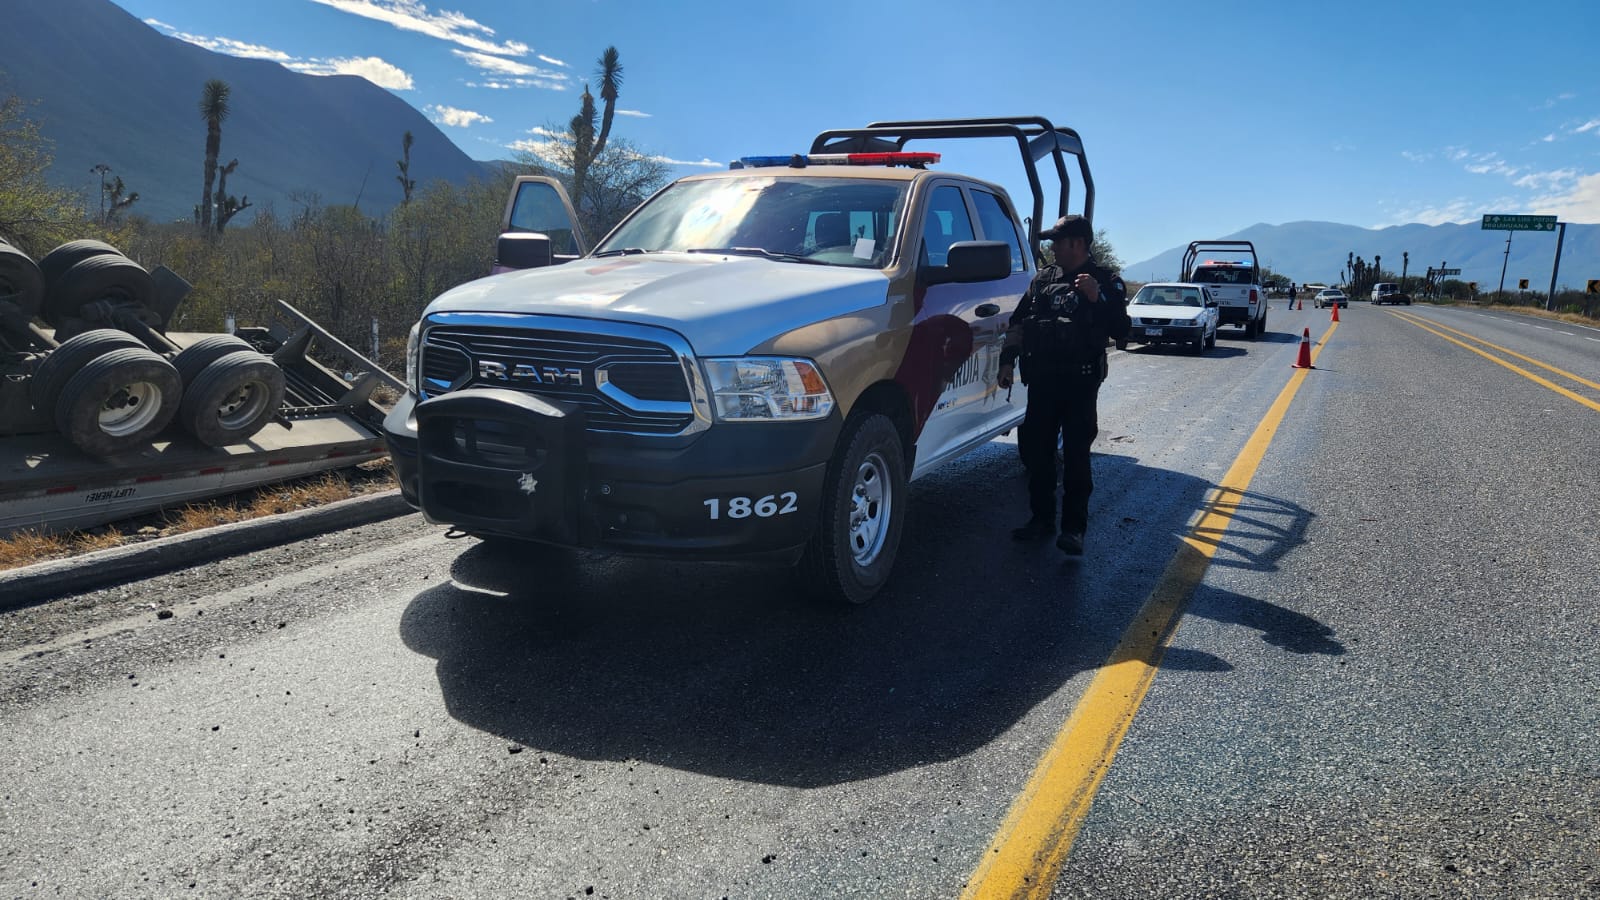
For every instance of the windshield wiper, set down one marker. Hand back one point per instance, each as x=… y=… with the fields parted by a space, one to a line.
x=625 y=251
x=758 y=251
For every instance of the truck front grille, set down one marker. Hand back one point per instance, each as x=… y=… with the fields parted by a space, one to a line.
x=622 y=383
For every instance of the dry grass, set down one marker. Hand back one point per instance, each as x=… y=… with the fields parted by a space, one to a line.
x=28 y=547
x=1536 y=312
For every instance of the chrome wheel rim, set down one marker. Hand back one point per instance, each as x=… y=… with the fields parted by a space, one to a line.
x=130 y=408
x=871 y=503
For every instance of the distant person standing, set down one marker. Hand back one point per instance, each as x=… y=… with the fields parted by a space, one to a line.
x=1291 y=295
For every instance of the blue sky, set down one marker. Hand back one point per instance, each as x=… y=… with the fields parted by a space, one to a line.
x=1200 y=118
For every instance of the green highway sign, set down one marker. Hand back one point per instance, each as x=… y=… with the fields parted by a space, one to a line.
x=1502 y=222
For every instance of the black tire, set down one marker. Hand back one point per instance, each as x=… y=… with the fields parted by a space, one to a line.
x=232 y=399
x=56 y=263
x=193 y=359
x=96 y=278
x=65 y=361
x=20 y=280
x=853 y=549
x=118 y=401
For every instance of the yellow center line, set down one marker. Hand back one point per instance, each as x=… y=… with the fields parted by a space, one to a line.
x=1420 y=322
x=1027 y=852
x=1543 y=382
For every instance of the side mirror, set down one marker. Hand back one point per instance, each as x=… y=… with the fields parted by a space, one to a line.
x=1211 y=304
x=971 y=261
x=521 y=250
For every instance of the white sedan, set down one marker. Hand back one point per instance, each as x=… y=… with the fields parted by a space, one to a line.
x=1174 y=313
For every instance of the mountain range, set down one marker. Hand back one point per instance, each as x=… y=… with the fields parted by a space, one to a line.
x=1311 y=252
x=108 y=89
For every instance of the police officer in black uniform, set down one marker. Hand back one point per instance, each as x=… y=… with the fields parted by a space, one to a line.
x=1060 y=331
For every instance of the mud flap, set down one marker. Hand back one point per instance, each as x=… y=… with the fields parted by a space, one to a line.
x=502 y=461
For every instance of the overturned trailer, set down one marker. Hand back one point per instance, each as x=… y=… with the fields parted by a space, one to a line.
x=104 y=414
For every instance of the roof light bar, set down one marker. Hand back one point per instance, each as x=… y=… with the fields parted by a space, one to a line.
x=801 y=160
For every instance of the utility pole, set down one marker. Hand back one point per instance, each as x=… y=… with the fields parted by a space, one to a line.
x=1405 y=263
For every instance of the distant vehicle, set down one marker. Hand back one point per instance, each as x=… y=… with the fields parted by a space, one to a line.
x=1389 y=292
x=1234 y=283
x=1174 y=313
x=1331 y=297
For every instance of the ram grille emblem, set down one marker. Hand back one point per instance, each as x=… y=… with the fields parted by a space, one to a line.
x=523 y=373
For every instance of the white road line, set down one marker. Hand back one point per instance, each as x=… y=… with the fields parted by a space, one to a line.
x=1587 y=338
x=1543 y=328
x=1569 y=333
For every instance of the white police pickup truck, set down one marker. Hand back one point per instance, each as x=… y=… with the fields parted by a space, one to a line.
x=751 y=365
x=1234 y=282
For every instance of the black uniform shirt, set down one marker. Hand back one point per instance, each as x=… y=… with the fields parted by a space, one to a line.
x=1054 y=332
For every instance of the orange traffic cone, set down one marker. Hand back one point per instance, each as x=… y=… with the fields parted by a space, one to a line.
x=1304 y=362
x=1302 y=306
x=1335 y=311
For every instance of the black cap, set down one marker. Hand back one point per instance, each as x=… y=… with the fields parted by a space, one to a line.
x=1068 y=227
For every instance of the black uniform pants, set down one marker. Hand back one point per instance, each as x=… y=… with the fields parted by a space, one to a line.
x=1066 y=408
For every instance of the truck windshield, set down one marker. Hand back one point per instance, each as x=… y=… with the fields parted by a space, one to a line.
x=837 y=221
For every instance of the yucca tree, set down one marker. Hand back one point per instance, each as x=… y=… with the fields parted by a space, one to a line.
x=214 y=109
x=407 y=183
x=587 y=146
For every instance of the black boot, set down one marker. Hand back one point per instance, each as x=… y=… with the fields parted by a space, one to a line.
x=1071 y=543
x=1037 y=527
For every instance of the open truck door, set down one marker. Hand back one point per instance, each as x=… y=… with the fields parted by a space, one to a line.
x=540 y=227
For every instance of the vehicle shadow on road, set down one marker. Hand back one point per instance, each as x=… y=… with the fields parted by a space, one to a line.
x=734 y=672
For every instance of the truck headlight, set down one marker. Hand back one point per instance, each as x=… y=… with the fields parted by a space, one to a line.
x=767 y=388
x=413 y=348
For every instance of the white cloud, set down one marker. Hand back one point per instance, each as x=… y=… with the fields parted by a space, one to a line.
x=410 y=15
x=376 y=70
x=456 y=118
x=1590 y=125
x=551 y=60
x=224 y=45
x=1580 y=204
x=1492 y=164
x=1550 y=180
x=634 y=113
x=703 y=162
x=508 y=73
x=1416 y=157
x=1549 y=138
x=1458 y=211
x=542 y=131
x=1457 y=153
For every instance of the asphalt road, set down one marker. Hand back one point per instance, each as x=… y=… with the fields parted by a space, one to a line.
x=1386 y=683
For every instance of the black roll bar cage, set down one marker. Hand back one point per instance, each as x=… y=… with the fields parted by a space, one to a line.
x=1036 y=138
x=1193 y=253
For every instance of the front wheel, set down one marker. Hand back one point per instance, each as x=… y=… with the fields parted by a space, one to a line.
x=853 y=549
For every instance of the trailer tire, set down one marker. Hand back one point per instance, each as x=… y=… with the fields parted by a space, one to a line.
x=118 y=401
x=58 y=261
x=864 y=496
x=193 y=359
x=231 y=399
x=64 y=362
x=96 y=278
x=20 y=280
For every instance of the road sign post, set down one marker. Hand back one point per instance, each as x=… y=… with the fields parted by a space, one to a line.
x=1509 y=223
x=1561 y=237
